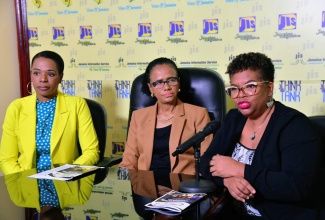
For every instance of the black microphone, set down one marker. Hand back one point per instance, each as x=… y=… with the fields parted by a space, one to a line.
x=211 y=127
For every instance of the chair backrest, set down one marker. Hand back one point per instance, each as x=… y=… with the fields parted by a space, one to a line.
x=99 y=117
x=318 y=122
x=199 y=86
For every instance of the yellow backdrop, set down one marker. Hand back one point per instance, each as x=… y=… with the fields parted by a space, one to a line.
x=107 y=43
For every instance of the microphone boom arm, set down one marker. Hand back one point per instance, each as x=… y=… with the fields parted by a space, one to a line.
x=210 y=128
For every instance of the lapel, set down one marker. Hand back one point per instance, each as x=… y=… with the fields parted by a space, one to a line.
x=60 y=120
x=175 y=134
x=27 y=131
x=149 y=126
x=176 y=131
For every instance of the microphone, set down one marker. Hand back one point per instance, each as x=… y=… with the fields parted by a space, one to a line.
x=211 y=127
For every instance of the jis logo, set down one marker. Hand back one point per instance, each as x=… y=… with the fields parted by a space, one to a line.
x=290 y=90
x=58 y=33
x=122 y=88
x=144 y=30
x=323 y=19
x=247 y=24
x=67 y=2
x=67 y=216
x=91 y=217
x=299 y=59
x=287 y=21
x=37 y=3
x=86 y=32
x=95 y=88
x=117 y=147
x=210 y=26
x=114 y=31
x=176 y=28
x=32 y=33
x=123 y=174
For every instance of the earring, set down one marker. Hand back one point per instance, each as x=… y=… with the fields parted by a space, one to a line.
x=179 y=90
x=270 y=103
x=30 y=83
x=152 y=95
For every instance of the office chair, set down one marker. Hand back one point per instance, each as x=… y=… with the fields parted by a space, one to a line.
x=199 y=86
x=99 y=117
x=318 y=123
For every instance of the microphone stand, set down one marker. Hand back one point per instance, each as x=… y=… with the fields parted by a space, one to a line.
x=197 y=185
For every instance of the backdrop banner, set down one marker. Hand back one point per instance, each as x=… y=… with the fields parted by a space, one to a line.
x=107 y=43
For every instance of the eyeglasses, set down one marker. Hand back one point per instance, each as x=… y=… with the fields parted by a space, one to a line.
x=248 y=89
x=159 y=84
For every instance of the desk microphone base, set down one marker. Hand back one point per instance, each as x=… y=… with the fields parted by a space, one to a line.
x=197 y=186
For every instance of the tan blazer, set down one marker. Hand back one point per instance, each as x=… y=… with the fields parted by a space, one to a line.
x=188 y=120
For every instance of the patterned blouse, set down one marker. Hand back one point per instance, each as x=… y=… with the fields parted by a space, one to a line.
x=45 y=116
x=245 y=156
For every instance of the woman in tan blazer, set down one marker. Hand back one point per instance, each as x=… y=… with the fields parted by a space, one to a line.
x=156 y=131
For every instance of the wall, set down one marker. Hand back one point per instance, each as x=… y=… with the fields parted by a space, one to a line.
x=106 y=44
x=9 y=90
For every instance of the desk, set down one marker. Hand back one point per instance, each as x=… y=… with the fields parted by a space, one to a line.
x=148 y=186
x=111 y=199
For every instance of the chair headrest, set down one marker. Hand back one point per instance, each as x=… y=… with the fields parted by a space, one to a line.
x=199 y=86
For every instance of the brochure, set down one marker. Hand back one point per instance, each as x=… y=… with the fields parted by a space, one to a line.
x=67 y=172
x=174 y=202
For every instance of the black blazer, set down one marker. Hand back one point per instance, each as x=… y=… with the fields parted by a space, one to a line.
x=285 y=165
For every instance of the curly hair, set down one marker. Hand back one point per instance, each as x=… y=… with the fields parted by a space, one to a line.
x=254 y=61
x=153 y=64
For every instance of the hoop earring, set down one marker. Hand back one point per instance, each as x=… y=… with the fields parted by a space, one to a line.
x=30 y=92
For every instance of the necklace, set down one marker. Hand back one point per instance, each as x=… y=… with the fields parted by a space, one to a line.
x=254 y=132
x=162 y=119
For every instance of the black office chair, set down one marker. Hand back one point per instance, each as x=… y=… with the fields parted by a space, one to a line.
x=99 y=117
x=199 y=86
x=318 y=123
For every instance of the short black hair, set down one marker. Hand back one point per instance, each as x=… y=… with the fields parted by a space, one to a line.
x=254 y=61
x=153 y=64
x=53 y=56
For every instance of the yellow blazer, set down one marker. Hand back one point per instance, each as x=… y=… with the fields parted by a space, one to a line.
x=188 y=120
x=24 y=191
x=72 y=120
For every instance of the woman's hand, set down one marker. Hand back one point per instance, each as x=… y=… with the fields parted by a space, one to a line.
x=224 y=166
x=162 y=190
x=239 y=188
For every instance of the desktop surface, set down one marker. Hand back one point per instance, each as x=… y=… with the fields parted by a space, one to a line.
x=122 y=194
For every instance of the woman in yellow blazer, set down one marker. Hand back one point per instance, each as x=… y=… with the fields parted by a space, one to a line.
x=42 y=130
x=24 y=191
x=72 y=121
x=156 y=131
